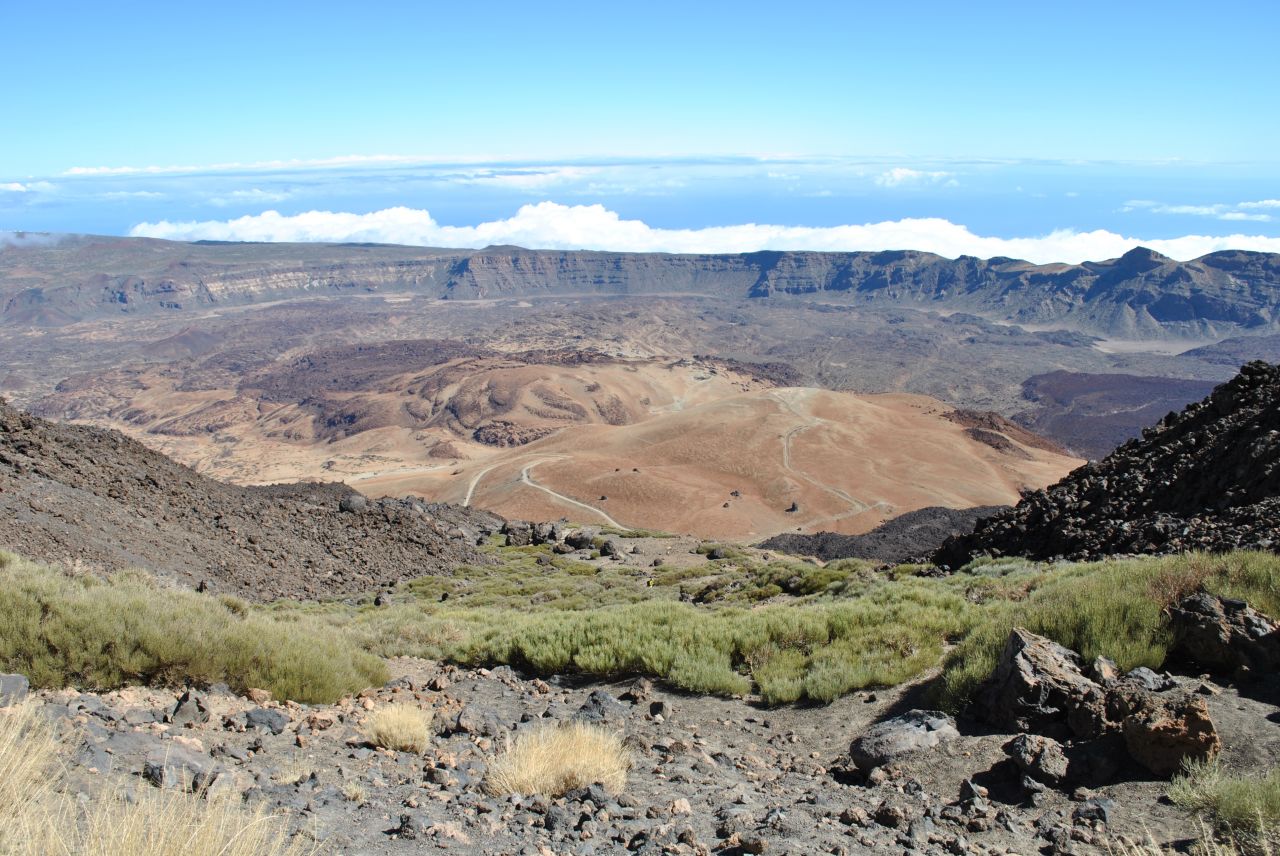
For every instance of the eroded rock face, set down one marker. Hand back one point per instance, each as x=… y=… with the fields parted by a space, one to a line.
x=1224 y=635
x=1038 y=687
x=914 y=731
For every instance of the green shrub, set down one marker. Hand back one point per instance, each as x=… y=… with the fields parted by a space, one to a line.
x=60 y=630
x=1113 y=608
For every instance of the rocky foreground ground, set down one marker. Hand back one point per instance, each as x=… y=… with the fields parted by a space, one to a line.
x=869 y=773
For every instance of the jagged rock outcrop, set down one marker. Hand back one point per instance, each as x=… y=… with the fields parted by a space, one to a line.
x=1205 y=479
x=70 y=493
x=1039 y=689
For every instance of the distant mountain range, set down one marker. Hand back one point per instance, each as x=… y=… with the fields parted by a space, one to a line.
x=1142 y=295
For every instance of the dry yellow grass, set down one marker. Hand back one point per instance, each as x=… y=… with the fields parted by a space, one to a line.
x=37 y=820
x=402 y=727
x=557 y=759
x=1204 y=845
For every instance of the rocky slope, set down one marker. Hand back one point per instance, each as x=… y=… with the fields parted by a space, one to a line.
x=916 y=533
x=1207 y=478
x=87 y=495
x=866 y=774
x=1141 y=295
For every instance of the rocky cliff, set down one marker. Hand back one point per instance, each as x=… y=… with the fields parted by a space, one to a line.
x=1141 y=295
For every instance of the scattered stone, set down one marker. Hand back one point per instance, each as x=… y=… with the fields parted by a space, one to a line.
x=269 y=719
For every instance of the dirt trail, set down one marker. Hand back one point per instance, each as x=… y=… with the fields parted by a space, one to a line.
x=856 y=506
x=525 y=478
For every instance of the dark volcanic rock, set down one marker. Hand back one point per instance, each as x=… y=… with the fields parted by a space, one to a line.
x=916 y=533
x=1038 y=687
x=73 y=493
x=1205 y=479
x=1224 y=635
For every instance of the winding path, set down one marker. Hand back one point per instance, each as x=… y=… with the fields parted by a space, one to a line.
x=475 y=480
x=525 y=478
x=857 y=506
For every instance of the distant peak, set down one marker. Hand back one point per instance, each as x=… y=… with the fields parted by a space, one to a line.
x=1142 y=259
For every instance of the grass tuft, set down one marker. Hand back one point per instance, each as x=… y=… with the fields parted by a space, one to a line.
x=400 y=727
x=1245 y=808
x=556 y=759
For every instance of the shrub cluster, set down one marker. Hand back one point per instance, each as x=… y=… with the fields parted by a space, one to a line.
x=60 y=630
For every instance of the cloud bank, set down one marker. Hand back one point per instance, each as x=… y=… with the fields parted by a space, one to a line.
x=550 y=225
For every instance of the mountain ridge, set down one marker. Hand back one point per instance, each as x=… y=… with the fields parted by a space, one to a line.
x=1140 y=295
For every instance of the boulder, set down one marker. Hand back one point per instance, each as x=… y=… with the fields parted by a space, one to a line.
x=914 y=731
x=1038 y=687
x=190 y=710
x=601 y=707
x=519 y=533
x=267 y=719
x=13 y=689
x=1162 y=733
x=581 y=539
x=353 y=503
x=1041 y=758
x=174 y=766
x=479 y=720
x=1224 y=635
x=612 y=549
x=547 y=533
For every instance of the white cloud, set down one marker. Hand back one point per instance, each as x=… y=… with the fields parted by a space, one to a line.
x=235 y=166
x=901 y=175
x=524 y=179
x=1218 y=210
x=32 y=187
x=254 y=195
x=132 y=194
x=549 y=225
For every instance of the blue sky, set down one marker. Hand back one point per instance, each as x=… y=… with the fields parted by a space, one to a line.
x=1151 y=121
